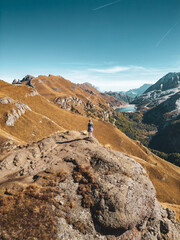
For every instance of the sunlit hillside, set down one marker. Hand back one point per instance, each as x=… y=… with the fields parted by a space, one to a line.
x=42 y=118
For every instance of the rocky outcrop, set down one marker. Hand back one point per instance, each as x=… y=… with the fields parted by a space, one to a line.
x=10 y=119
x=27 y=78
x=6 y=100
x=73 y=188
x=20 y=108
x=69 y=102
x=86 y=107
x=32 y=93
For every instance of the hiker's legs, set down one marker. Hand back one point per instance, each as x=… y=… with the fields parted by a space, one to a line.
x=90 y=134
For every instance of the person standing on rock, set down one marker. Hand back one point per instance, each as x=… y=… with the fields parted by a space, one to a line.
x=90 y=128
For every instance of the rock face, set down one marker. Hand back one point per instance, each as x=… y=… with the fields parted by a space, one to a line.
x=10 y=119
x=16 y=113
x=27 y=78
x=73 y=188
x=6 y=100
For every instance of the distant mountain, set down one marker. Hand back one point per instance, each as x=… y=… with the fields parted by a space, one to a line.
x=120 y=96
x=137 y=91
x=169 y=81
x=129 y=95
x=167 y=117
x=166 y=111
x=159 y=92
x=161 y=106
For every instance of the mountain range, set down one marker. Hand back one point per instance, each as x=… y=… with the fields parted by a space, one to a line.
x=79 y=98
x=137 y=91
x=40 y=155
x=129 y=95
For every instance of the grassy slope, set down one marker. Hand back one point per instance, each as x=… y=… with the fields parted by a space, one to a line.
x=165 y=176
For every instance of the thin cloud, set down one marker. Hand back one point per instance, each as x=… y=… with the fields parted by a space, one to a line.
x=115 y=69
x=166 y=34
x=106 y=5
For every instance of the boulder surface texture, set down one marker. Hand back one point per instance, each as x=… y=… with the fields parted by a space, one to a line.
x=68 y=186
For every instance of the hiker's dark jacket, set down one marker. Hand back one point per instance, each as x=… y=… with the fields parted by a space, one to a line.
x=90 y=127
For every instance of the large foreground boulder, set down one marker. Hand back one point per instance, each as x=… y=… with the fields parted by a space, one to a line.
x=68 y=186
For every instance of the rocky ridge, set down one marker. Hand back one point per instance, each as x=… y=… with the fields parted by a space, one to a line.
x=83 y=99
x=70 y=187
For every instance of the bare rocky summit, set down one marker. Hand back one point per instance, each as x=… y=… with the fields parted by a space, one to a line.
x=68 y=186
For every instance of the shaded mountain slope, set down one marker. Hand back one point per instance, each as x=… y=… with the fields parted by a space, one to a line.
x=161 y=106
x=166 y=116
x=164 y=112
x=168 y=139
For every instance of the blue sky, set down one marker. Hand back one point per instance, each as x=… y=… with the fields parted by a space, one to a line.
x=115 y=45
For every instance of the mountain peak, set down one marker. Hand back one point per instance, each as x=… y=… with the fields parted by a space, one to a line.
x=167 y=82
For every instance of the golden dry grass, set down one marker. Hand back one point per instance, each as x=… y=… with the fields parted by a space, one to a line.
x=165 y=176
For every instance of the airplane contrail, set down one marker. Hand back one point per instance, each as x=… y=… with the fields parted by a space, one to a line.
x=166 y=34
x=106 y=5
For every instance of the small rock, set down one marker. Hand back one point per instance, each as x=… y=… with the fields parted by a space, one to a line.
x=164 y=227
x=6 y=100
x=10 y=119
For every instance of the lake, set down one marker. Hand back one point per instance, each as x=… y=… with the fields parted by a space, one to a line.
x=129 y=108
